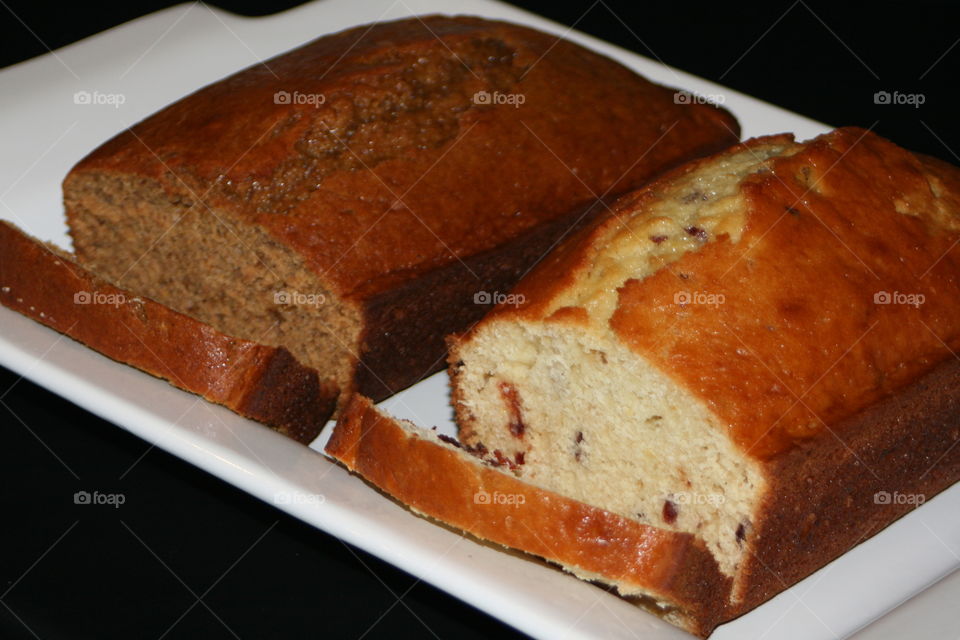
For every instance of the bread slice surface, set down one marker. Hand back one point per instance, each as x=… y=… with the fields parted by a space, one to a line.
x=671 y=574
x=263 y=383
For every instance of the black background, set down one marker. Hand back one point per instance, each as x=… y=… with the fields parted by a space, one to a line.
x=74 y=571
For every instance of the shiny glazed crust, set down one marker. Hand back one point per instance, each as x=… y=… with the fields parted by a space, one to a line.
x=262 y=383
x=440 y=481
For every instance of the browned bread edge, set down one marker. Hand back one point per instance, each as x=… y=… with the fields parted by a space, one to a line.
x=259 y=382
x=443 y=482
x=812 y=517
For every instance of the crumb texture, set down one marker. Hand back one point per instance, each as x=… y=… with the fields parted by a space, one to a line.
x=669 y=573
x=196 y=263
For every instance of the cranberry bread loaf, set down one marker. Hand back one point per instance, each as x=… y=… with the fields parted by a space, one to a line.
x=358 y=198
x=263 y=383
x=752 y=349
x=669 y=572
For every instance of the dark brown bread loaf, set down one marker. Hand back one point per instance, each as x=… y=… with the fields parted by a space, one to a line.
x=263 y=383
x=358 y=198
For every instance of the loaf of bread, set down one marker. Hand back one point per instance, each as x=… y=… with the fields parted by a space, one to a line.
x=263 y=383
x=671 y=573
x=757 y=349
x=360 y=197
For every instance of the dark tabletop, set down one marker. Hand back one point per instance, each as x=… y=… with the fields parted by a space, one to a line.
x=189 y=556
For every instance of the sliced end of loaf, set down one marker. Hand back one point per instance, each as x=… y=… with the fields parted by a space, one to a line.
x=669 y=573
x=588 y=417
x=264 y=383
x=177 y=250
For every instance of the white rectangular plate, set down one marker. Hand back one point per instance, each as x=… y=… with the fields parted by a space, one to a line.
x=159 y=58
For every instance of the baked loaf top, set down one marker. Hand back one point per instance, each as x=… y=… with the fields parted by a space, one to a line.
x=672 y=573
x=263 y=383
x=354 y=149
x=788 y=289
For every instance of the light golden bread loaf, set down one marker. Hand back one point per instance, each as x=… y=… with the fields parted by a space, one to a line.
x=751 y=349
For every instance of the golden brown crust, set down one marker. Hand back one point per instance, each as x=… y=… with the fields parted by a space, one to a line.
x=558 y=271
x=847 y=242
x=451 y=486
x=845 y=485
x=263 y=383
x=400 y=191
x=802 y=340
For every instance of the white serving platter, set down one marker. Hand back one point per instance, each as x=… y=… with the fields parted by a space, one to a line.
x=48 y=124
